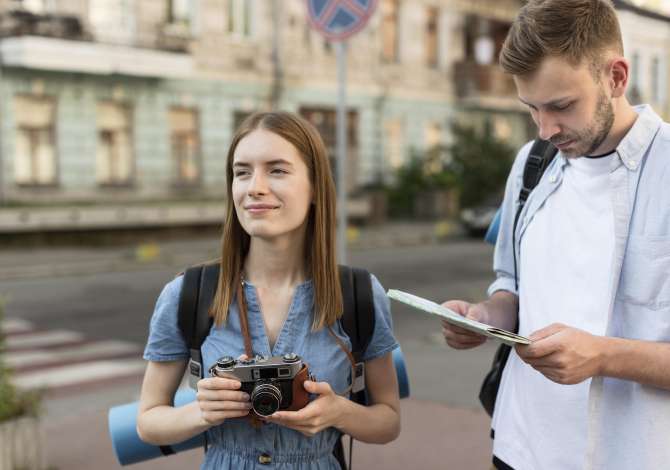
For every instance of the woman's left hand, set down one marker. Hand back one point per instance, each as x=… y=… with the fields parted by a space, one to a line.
x=323 y=412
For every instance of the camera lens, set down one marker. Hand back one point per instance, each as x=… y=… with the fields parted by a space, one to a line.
x=265 y=399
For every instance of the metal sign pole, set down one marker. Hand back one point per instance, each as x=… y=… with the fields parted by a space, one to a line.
x=342 y=151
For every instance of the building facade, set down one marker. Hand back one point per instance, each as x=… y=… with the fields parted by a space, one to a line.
x=129 y=100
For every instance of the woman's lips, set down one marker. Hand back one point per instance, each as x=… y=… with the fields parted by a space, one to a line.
x=258 y=208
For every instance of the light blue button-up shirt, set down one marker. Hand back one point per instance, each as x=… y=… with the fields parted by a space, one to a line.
x=235 y=444
x=628 y=423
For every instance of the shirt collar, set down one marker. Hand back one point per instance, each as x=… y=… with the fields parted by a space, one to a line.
x=633 y=146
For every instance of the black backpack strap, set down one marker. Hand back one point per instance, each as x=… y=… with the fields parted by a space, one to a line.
x=541 y=155
x=195 y=299
x=187 y=320
x=358 y=322
x=358 y=317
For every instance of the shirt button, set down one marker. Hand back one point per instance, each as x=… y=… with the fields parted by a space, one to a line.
x=632 y=163
x=264 y=459
x=552 y=179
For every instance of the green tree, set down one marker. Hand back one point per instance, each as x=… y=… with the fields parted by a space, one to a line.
x=481 y=163
x=424 y=171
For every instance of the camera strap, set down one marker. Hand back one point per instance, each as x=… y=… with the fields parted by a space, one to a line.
x=244 y=319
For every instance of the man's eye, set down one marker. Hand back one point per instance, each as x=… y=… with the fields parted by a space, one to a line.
x=562 y=107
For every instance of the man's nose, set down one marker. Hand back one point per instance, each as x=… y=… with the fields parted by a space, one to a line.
x=547 y=126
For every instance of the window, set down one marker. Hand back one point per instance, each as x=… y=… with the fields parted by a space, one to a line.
x=655 y=80
x=113 y=20
x=325 y=121
x=185 y=146
x=179 y=11
x=432 y=135
x=114 y=156
x=35 y=152
x=35 y=6
x=239 y=17
x=634 y=90
x=431 y=36
x=395 y=143
x=389 y=29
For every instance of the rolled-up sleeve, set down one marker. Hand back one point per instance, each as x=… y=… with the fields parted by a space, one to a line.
x=382 y=341
x=503 y=259
x=165 y=342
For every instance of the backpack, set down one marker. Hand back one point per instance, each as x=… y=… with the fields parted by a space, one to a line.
x=358 y=321
x=541 y=154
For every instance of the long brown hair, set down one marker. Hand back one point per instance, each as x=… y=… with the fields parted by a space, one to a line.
x=571 y=29
x=321 y=260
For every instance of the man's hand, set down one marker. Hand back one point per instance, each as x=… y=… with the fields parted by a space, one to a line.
x=319 y=414
x=457 y=337
x=563 y=354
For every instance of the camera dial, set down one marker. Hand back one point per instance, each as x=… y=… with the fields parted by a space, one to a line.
x=226 y=362
x=246 y=362
x=290 y=357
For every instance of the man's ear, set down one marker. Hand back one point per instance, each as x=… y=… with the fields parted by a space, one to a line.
x=618 y=76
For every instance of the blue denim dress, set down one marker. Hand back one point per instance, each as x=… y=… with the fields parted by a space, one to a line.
x=235 y=444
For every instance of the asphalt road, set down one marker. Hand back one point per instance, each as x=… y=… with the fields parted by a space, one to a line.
x=118 y=305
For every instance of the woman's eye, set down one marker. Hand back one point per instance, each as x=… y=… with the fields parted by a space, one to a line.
x=278 y=171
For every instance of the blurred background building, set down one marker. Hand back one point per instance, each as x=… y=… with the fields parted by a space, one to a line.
x=129 y=101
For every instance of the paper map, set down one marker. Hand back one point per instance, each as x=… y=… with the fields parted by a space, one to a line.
x=454 y=318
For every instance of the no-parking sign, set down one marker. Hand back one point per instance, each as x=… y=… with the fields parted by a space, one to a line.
x=339 y=19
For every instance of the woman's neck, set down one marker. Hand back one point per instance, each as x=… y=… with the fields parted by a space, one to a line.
x=275 y=263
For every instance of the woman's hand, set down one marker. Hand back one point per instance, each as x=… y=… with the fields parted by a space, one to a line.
x=220 y=398
x=325 y=411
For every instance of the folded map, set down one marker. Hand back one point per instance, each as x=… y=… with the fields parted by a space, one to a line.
x=454 y=318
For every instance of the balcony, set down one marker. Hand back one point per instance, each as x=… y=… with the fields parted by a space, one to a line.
x=473 y=80
x=24 y=23
x=62 y=55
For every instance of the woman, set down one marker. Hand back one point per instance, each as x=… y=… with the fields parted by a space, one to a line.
x=279 y=245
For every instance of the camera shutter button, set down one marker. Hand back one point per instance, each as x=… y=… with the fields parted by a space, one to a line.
x=265 y=459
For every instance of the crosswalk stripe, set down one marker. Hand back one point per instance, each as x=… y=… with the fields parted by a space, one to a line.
x=78 y=373
x=14 y=325
x=89 y=351
x=42 y=339
x=61 y=359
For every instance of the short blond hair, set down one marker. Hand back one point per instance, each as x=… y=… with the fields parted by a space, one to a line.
x=575 y=30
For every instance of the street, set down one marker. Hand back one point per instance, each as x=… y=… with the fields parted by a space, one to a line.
x=112 y=309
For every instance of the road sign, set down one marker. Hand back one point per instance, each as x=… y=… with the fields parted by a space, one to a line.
x=339 y=19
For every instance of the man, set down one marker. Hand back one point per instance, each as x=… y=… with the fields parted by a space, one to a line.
x=592 y=249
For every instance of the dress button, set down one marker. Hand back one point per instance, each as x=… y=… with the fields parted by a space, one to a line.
x=264 y=459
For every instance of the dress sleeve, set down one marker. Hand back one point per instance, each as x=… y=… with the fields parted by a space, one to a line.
x=165 y=342
x=382 y=341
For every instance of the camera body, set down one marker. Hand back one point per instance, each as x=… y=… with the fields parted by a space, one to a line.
x=273 y=383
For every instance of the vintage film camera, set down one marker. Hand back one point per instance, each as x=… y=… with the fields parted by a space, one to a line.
x=273 y=383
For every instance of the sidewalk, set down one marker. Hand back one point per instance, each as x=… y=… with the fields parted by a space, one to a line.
x=27 y=263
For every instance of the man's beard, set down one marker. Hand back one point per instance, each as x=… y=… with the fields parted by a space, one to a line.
x=593 y=136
